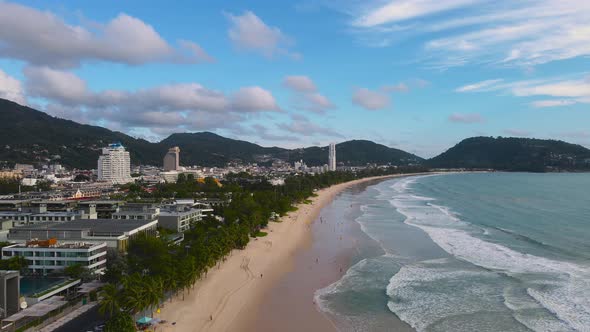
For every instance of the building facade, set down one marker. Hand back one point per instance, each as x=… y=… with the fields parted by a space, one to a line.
x=172 y=159
x=49 y=256
x=332 y=157
x=115 y=233
x=114 y=165
x=9 y=293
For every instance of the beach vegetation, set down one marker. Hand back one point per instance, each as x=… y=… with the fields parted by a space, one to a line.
x=154 y=269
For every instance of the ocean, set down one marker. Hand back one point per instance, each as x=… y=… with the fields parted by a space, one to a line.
x=468 y=252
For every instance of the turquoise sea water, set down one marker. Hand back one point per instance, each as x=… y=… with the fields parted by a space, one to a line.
x=470 y=252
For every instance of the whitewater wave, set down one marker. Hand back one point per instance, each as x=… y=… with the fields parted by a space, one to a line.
x=561 y=287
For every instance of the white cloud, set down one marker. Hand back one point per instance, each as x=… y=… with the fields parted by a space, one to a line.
x=300 y=125
x=11 y=89
x=402 y=10
x=370 y=100
x=400 y=87
x=59 y=85
x=466 y=118
x=253 y=99
x=567 y=91
x=41 y=38
x=552 y=103
x=305 y=94
x=479 y=86
x=249 y=32
x=160 y=109
x=504 y=33
x=299 y=83
x=563 y=88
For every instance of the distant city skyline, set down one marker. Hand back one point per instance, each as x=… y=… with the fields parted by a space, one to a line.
x=414 y=75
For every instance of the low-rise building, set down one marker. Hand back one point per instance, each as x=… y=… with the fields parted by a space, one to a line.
x=5 y=226
x=104 y=208
x=48 y=256
x=115 y=233
x=9 y=293
x=182 y=214
x=137 y=211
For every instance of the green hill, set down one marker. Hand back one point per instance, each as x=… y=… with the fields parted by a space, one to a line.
x=514 y=154
x=31 y=136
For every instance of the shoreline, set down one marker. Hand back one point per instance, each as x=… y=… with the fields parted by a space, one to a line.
x=228 y=296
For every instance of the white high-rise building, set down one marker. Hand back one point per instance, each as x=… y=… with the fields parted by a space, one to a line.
x=114 y=165
x=332 y=157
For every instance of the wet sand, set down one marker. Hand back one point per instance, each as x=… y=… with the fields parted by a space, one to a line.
x=233 y=295
x=325 y=256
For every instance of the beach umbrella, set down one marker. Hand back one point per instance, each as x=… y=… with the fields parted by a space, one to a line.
x=144 y=320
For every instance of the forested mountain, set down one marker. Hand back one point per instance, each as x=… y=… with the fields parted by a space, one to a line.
x=514 y=154
x=31 y=136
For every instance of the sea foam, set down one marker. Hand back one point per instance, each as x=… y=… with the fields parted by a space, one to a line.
x=563 y=288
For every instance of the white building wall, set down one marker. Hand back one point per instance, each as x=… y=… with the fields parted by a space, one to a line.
x=114 y=165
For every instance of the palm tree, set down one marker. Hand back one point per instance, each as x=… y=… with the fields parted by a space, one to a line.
x=111 y=301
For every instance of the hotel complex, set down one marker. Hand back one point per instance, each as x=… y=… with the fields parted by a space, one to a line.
x=48 y=256
x=114 y=165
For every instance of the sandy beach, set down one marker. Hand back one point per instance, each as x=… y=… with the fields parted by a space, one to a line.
x=228 y=299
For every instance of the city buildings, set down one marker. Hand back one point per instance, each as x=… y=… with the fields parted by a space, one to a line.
x=9 y=293
x=114 y=165
x=48 y=256
x=137 y=211
x=172 y=159
x=332 y=157
x=179 y=217
x=115 y=233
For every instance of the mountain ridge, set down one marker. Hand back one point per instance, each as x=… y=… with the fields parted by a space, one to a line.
x=31 y=136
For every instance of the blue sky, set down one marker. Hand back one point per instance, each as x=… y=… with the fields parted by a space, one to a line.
x=418 y=75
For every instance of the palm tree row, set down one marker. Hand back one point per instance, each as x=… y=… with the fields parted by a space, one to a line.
x=155 y=269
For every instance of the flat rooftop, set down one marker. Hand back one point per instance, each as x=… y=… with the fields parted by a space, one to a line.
x=95 y=225
x=14 y=201
x=104 y=201
x=77 y=245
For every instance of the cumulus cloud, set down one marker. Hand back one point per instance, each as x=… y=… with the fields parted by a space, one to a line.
x=370 y=100
x=306 y=95
x=466 y=118
x=41 y=38
x=65 y=87
x=249 y=32
x=301 y=125
x=164 y=108
x=299 y=83
x=253 y=99
x=11 y=88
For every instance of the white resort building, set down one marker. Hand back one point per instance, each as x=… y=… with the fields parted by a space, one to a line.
x=114 y=165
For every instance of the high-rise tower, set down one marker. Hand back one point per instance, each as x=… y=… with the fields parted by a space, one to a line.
x=172 y=159
x=114 y=165
x=332 y=157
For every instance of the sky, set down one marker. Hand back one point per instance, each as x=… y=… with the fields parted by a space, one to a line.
x=418 y=75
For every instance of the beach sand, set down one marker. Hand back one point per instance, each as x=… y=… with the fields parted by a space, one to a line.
x=233 y=293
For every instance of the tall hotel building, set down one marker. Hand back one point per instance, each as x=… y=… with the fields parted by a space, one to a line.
x=114 y=165
x=332 y=157
x=172 y=159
